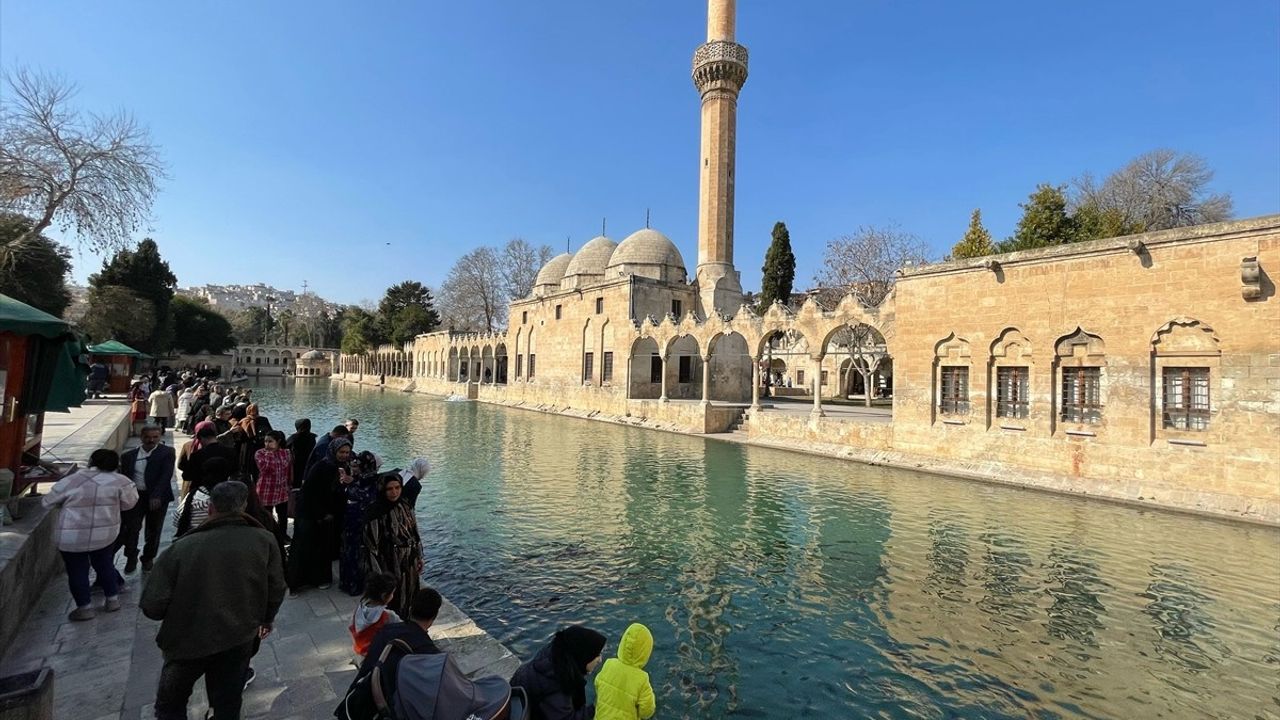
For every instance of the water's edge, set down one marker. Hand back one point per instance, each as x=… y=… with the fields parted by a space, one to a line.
x=971 y=472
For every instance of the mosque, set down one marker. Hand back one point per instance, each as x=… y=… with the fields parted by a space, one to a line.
x=1143 y=368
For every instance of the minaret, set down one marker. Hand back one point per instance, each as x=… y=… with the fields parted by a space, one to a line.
x=719 y=71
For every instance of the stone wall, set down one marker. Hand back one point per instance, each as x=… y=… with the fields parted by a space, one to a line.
x=1132 y=308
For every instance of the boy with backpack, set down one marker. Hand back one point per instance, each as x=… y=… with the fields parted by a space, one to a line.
x=623 y=691
x=372 y=614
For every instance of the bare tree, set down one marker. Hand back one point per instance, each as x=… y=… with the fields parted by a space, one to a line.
x=866 y=263
x=474 y=295
x=1157 y=190
x=866 y=349
x=521 y=262
x=94 y=174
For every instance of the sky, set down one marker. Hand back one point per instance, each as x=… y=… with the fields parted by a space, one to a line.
x=353 y=145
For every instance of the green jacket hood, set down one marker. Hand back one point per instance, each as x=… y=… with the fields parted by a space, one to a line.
x=636 y=646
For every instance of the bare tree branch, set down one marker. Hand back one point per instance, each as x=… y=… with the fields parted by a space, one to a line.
x=866 y=263
x=1157 y=190
x=96 y=175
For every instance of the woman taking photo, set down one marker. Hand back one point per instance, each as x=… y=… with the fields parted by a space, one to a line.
x=92 y=500
x=556 y=678
x=310 y=552
x=391 y=542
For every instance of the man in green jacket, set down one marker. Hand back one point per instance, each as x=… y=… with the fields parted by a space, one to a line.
x=216 y=591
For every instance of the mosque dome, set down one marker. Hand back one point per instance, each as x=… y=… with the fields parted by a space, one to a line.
x=648 y=253
x=551 y=274
x=313 y=355
x=588 y=264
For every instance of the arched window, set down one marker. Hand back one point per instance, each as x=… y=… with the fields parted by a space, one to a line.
x=952 y=361
x=1185 y=363
x=1011 y=367
x=1080 y=360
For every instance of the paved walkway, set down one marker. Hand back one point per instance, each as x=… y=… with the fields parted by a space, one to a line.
x=106 y=668
x=73 y=436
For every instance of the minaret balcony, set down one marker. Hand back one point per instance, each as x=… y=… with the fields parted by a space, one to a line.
x=720 y=65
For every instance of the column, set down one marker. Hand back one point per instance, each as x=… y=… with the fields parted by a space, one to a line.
x=755 y=385
x=706 y=380
x=663 y=397
x=817 y=386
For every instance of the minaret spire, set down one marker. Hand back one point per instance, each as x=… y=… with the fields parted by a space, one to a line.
x=719 y=72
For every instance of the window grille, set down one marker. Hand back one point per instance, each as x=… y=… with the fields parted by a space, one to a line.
x=955 y=390
x=1011 y=392
x=606 y=368
x=588 y=367
x=519 y=366
x=1082 y=395
x=532 y=359
x=1186 y=398
x=676 y=308
x=599 y=305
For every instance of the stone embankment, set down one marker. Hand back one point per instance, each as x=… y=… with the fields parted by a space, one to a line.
x=107 y=668
x=871 y=443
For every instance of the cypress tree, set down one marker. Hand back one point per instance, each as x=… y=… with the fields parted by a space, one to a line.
x=976 y=241
x=779 y=271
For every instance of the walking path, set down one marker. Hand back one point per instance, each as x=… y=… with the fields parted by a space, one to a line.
x=107 y=668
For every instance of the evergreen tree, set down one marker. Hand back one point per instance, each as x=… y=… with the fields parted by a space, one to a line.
x=144 y=273
x=196 y=327
x=37 y=273
x=1044 y=221
x=976 y=241
x=779 y=271
x=406 y=311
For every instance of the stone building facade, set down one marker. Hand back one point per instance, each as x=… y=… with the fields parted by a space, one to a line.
x=1144 y=369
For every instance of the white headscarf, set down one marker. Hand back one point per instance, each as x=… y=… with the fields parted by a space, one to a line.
x=420 y=467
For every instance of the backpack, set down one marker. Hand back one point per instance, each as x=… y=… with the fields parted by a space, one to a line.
x=366 y=699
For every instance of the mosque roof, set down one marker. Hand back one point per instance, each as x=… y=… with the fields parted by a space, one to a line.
x=313 y=355
x=591 y=258
x=553 y=272
x=647 y=247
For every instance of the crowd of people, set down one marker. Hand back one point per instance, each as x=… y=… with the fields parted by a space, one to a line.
x=218 y=587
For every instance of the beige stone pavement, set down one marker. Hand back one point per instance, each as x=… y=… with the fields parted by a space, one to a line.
x=107 y=668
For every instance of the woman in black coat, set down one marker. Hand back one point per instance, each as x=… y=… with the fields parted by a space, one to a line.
x=301 y=443
x=310 y=555
x=556 y=678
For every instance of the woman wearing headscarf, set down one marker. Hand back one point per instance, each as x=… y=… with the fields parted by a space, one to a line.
x=359 y=490
x=391 y=542
x=556 y=678
x=309 y=555
x=413 y=478
x=254 y=429
x=301 y=443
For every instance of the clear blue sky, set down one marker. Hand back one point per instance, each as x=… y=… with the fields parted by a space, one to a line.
x=301 y=137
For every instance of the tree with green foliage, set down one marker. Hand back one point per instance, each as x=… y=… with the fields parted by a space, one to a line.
x=144 y=272
x=1094 y=222
x=38 y=275
x=779 y=271
x=118 y=313
x=360 y=331
x=1044 y=221
x=197 y=327
x=251 y=325
x=406 y=311
x=976 y=241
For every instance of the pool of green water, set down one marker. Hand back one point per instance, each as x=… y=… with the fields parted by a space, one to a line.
x=782 y=585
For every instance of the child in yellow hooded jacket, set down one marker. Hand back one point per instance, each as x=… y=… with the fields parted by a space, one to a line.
x=623 y=691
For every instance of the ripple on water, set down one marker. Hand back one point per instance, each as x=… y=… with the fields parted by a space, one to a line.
x=779 y=585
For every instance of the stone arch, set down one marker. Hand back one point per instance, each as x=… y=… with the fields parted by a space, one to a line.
x=1079 y=378
x=645 y=362
x=684 y=367
x=501 y=362
x=865 y=365
x=729 y=362
x=783 y=341
x=1011 y=374
x=1186 y=378
x=1185 y=335
x=952 y=360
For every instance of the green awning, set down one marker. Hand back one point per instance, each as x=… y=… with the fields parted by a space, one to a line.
x=113 y=347
x=55 y=374
x=22 y=319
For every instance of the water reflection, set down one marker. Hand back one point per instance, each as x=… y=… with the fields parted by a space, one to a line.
x=779 y=585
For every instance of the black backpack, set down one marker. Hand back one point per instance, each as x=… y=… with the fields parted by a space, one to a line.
x=367 y=698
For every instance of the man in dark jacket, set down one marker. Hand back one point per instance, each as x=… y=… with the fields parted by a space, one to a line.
x=209 y=448
x=216 y=590
x=150 y=467
x=422 y=613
